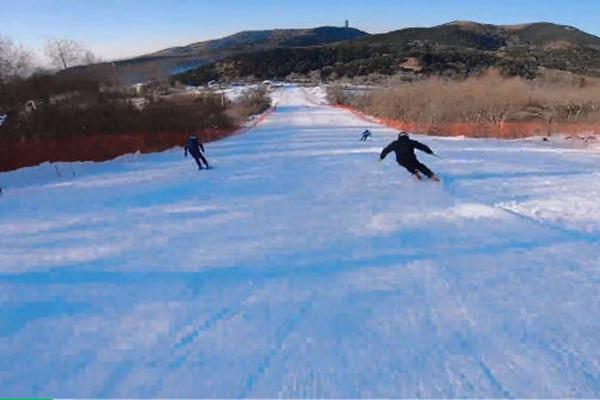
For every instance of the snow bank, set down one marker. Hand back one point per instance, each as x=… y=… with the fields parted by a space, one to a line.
x=571 y=205
x=317 y=94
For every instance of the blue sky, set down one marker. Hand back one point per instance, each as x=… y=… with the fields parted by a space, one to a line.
x=120 y=28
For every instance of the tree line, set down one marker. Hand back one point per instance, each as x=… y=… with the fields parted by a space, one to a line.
x=62 y=53
x=81 y=96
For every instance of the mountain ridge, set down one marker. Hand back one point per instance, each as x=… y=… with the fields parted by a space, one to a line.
x=454 y=49
x=164 y=62
x=296 y=37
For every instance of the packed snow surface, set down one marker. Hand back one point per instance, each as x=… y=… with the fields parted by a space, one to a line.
x=300 y=266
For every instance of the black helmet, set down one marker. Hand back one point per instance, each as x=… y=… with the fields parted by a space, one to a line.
x=402 y=135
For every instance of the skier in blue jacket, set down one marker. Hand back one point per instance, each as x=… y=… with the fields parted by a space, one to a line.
x=365 y=135
x=196 y=149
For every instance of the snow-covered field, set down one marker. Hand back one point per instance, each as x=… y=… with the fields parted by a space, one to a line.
x=232 y=92
x=300 y=266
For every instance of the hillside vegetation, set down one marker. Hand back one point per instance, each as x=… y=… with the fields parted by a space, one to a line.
x=487 y=105
x=62 y=117
x=456 y=50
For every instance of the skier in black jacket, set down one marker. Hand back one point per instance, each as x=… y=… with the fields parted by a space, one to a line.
x=365 y=135
x=404 y=148
x=195 y=148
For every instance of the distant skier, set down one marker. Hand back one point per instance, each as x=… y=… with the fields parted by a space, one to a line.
x=196 y=149
x=365 y=135
x=404 y=148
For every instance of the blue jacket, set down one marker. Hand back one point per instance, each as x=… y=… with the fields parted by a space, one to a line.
x=194 y=146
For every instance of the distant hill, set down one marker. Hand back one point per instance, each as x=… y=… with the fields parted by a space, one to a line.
x=261 y=40
x=455 y=49
x=490 y=37
x=178 y=59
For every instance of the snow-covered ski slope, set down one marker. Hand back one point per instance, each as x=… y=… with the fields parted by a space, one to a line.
x=301 y=267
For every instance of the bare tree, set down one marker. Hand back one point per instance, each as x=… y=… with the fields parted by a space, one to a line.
x=66 y=53
x=63 y=53
x=14 y=60
x=90 y=58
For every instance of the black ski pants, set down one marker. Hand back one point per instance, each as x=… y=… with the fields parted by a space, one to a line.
x=198 y=157
x=415 y=165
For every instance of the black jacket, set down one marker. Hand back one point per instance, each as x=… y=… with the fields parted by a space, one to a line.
x=404 y=148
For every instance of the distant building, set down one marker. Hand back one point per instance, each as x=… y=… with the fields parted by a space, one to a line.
x=139 y=88
x=347 y=24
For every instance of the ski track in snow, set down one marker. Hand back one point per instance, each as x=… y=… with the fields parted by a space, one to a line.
x=301 y=267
